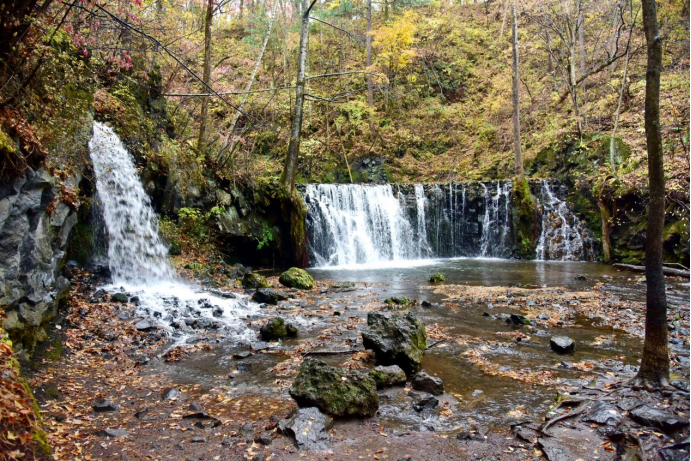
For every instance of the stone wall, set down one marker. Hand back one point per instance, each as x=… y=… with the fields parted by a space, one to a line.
x=35 y=227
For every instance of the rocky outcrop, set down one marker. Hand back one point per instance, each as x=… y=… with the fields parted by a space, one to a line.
x=35 y=225
x=396 y=340
x=335 y=391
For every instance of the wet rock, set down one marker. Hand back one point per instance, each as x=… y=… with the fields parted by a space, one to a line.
x=268 y=296
x=477 y=392
x=335 y=391
x=119 y=298
x=296 y=278
x=676 y=451
x=144 y=325
x=562 y=344
x=141 y=413
x=553 y=449
x=475 y=433
x=198 y=439
x=265 y=438
x=426 y=383
x=170 y=394
x=206 y=323
x=103 y=405
x=135 y=300
x=99 y=296
x=603 y=413
x=398 y=301
x=396 y=340
x=517 y=319
x=276 y=329
x=252 y=280
x=543 y=316
x=426 y=304
x=389 y=376
x=241 y=355
x=309 y=427
x=424 y=402
x=650 y=416
x=112 y=433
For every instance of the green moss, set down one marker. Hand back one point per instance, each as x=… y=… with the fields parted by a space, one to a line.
x=524 y=219
x=253 y=280
x=82 y=244
x=297 y=278
x=437 y=278
x=397 y=301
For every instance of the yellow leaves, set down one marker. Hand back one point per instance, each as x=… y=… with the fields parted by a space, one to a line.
x=394 y=42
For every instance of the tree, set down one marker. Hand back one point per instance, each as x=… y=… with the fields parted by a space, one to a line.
x=368 y=44
x=654 y=371
x=518 y=157
x=206 y=76
x=291 y=164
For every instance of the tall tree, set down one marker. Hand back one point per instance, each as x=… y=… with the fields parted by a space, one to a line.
x=291 y=164
x=370 y=93
x=654 y=371
x=206 y=76
x=518 y=157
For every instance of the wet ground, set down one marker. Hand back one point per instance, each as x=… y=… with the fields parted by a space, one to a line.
x=495 y=374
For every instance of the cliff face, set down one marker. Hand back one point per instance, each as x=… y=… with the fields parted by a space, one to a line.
x=35 y=225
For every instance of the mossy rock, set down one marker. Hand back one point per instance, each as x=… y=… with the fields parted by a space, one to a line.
x=401 y=301
x=253 y=280
x=396 y=340
x=388 y=376
x=437 y=278
x=277 y=329
x=297 y=278
x=525 y=219
x=335 y=391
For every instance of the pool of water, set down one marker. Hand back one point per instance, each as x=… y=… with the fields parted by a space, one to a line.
x=491 y=399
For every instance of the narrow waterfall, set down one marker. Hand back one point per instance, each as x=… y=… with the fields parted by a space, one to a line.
x=376 y=224
x=138 y=258
x=136 y=253
x=563 y=236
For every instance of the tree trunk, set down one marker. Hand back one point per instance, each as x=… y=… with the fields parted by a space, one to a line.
x=606 y=241
x=291 y=165
x=206 y=77
x=654 y=371
x=518 y=158
x=370 y=93
x=230 y=139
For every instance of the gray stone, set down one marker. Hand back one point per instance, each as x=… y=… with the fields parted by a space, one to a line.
x=112 y=433
x=562 y=344
x=389 y=376
x=119 y=298
x=603 y=413
x=309 y=427
x=426 y=383
x=103 y=405
x=144 y=325
x=335 y=391
x=664 y=420
x=268 y=296
x=396 y=340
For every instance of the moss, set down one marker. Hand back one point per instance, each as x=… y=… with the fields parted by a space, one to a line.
x=437 y=278
x=253 y=280
x=525 y=219
x=297 y=278
x=397 y=301
x=82 y=243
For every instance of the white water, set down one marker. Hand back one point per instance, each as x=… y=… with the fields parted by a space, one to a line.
x=138 y=258
x=563 y=236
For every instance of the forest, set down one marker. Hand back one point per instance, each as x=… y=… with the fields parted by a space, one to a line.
x=344 y=229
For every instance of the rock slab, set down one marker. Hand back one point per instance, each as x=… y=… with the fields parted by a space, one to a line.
x=310 y=428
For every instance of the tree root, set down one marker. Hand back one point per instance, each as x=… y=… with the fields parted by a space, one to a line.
x=553 y=421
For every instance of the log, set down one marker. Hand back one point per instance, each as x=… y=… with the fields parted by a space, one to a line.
x=665 y=270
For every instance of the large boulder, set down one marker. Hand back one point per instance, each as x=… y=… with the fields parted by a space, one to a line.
x=310 y=428
x=252 y=280
x=276 y=329
x=396 y=340
x=335 y=391
x=297 y=278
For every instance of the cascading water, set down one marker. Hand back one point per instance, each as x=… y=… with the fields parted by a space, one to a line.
x=563 y=236
x=136 y=253
x=138 y=258
x=379 y=225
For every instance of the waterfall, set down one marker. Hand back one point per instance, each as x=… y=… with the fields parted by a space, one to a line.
x=563 y=236
x=136 y=253
x=138 y=258
x=368 y=225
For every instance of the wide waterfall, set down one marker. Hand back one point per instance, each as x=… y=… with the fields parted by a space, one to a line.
x=138 y=258
x=374 y=224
